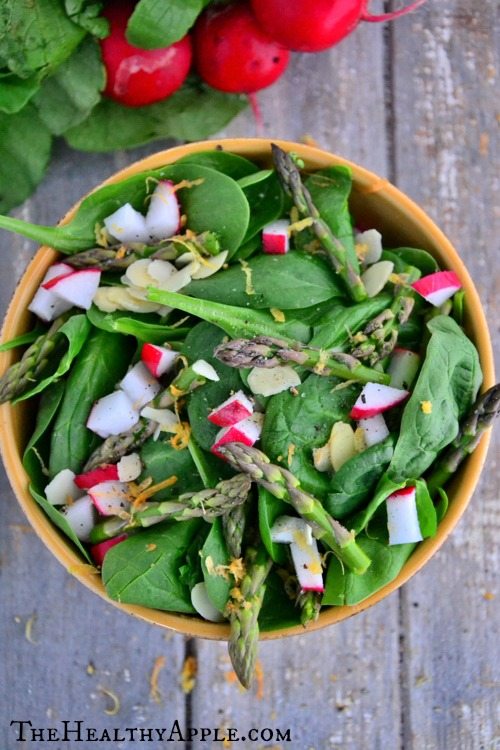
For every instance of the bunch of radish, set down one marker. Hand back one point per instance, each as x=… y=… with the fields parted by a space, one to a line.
x=239 y=47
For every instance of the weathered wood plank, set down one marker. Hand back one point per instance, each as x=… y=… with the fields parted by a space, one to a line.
x=446 y=96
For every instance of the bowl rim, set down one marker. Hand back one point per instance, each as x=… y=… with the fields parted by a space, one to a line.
x=364 y=182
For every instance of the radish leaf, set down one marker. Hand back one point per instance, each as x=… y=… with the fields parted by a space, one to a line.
x=15 y=92
x=155 y=24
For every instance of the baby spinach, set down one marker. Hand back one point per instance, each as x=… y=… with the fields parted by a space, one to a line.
x=36 y=454
x=278 y=609
x=271 y=508
x=144 y=326
x=385 y=487
x=214 y=553
x=288 y=282
x=160 y=461
x=421 y=259
x=266 y=200
x=59 y=520
x=339 y=321
x=144 y=569
x=232 y=165
x=22 y=339
x=206 y=464
x=427 y=516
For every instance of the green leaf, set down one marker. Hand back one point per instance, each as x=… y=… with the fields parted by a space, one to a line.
x=134 y=575
x=161 y=461
x=278 y=610
x=23 y=339
x=384 y=488
x=24 y=154
x=427 y=517
x=271 y=508
x=36 y=453
x=144 y=326
x=85 y=13
x=15 y=92
x=229 y=164
x=59 y=520
x=36 y=36
x=206 y=463
x=421 y=259
x=215 y=549
x=339 y=321
x=266 y=200
x=192 y=113
x=288 y=282
x=156 y=24
x=68 y=96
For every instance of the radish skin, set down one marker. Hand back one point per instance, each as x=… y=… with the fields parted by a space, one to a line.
x=158 y=359
x=234 y=409
x=402 y=517
x=98 y=551
x=275 y=237
x=375 y=399
x=438 y=287
x=45 y=304
x=110 y=498
x=77 y=288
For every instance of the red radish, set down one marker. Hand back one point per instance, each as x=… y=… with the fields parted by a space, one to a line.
x=232 y=53
x=234 y=409
x=140 y=386
x=247 y=432
x=438 y=287
x=402 y=517
x=403 y=367
x=374 y=429
x=275 y=237
x=158 y=359
x=78 y=287
x=105 y=473
x=163 y=218
x=110 y=498
x=375 y=398
x=98 y=551
x=81 y=517
x=306 y=26
x=127 y=225
x=62 y=487
x=45 y=303
x=112 y=415
x=136 y=76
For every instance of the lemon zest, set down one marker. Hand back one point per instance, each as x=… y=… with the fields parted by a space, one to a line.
x=152 y=490
x=154 y=690
x=249 y=288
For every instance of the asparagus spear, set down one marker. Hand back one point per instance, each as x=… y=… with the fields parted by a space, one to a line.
x=285 y=486
x=291 y=181
x=22 y=375
x=208 y=504
x=310 y=605
x=480 y=417
x=266 y=351
x=243 y=612
x=233 y=527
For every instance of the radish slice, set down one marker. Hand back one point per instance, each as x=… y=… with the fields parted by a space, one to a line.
x=81 y=516
x=110 y=498
x=247 y=431
x=106 y=473
x=62 y=487
x=127 y=225
x=210 y=266
x=45 y=304
x=285 y=527
x=375 y=398
x=163 y=218
x=203 y=605
x=129 y=467
x=158 y=359
x=370 y=243
x=402 y=517
x=304 y=550
x=205 y=370
x=267 y=381
x=374 y=429
x=77 y=288
x=140 y=385
x=438 y=287
x=275 y=237
x=376 y=277
x=112 y=415
x=232 y=410
x=341 y=444
x=98 y=551
x=403 y=368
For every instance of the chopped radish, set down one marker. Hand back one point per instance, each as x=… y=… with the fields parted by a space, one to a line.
x=403 y=367
x=374 y=429
x=45 y=304
x=307 y=564
x=105 y=473
x=341 y=444
x=275 y=237
x=285 y=528
x=127 y=225
x=437 y=287
x=402 y=517
x=129 y=467
x=376 y=277
x=78 y=287
x=205 y=370
x=62 y=487
x=232 y=410
x=164 y=216
x=110 y=498
x=158 y=359
x=140 y=386
x=81 y=516
x=98 y=551
x=375 y=398
x=369 y=245
x=112 y=415
x=247 y=432
x=203 y=605
x=267 y=381
x=210 y=266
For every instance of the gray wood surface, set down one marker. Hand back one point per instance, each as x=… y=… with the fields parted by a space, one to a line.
x=419 y=104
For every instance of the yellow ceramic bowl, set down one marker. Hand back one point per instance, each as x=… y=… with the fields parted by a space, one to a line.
x=375 y=202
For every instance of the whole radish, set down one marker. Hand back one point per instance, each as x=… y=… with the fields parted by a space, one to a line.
x=305 y=26
x=233 y=54
x=134 y=76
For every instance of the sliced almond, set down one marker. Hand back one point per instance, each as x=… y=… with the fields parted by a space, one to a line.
x=341 y=443
x=372 y=241
x=264 y=381
x=321 y=458
x=160 y=270
x=376 y=277
x=210 y=266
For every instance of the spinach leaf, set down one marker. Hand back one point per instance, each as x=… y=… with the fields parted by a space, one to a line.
x=155 y=24
x=247 y=248
x=442 y=505
x=76 y=330
x=22 y=339
x=85 y=13
x=400 y=265
x=144 y=326
x=94 y=374
x=421 y=259
x=229 y=164
x=271 y=508
x=288 y=282
x=59 y=520
x=294 y=425
x=36 y=455
x=449 y=379
x=278 y=610
x=334 y=327
x=427 y=517
x=266 y=200
x=214 y=553
x=144 y=569
x=357 y=478
x=384 y=488
x=160 y=461
x=15 y=92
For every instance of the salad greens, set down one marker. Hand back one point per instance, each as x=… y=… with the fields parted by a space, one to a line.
x=249 y=322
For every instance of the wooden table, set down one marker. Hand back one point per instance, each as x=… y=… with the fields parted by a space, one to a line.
x=418 y=103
